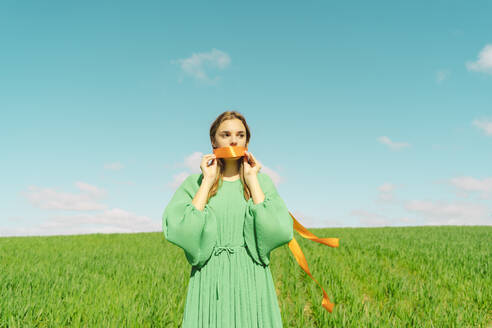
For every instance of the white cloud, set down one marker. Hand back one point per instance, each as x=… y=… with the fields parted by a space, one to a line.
x=484 y=62
x=433 y=213
x=386 y=191
x=110 y=221
x=113 y=220
x=451 y=213
x=113 y=166
x=178 y=179
x=372 y=219
x=90 y=189
x=469 y=184
x=48 y=198
x=485 y=125
x=387 y=187
x=16 y=218
x=197 y=64
x=393 y=145
x=192 y=165
x=115 y=217
x=192 y=162
x=442 y=75
x=276 y=178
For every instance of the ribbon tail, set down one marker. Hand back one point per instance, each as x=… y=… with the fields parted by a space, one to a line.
x=332 y=242
x=301 y=259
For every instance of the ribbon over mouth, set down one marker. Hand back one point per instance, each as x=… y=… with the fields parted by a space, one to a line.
x=230 y=152
x=237 y=152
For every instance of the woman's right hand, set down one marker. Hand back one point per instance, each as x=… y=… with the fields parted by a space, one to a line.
x=209 y=171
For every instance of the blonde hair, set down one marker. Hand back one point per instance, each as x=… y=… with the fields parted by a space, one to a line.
x=228 y=115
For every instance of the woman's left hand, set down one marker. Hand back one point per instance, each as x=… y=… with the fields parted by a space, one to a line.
x=251 y=165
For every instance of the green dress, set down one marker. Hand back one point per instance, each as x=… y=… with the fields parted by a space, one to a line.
x=228 y=246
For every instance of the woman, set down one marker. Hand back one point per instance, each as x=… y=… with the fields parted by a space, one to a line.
x=227 y=220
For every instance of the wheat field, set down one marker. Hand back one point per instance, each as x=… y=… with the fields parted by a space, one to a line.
x=432 y=276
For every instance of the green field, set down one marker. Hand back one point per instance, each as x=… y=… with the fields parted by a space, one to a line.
x=379 y=277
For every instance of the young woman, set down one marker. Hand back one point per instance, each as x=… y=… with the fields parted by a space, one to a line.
x=227 y=220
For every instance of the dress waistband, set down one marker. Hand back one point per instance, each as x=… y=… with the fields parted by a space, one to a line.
x=229 y=248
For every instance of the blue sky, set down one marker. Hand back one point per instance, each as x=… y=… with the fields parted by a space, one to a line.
x=364 y=114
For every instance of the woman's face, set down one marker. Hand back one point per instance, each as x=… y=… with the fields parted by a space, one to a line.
x=230 y=133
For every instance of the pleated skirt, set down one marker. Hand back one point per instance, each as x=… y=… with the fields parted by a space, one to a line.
x=231 y=290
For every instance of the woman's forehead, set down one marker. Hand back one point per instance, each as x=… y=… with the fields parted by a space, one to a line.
x=232 y=125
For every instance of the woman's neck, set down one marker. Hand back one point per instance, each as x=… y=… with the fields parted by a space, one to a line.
x=231 y=169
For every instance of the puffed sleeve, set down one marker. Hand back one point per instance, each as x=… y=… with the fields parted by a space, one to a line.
x=268 y=224
x=184 y=225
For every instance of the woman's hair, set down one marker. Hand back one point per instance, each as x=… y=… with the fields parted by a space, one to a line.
x=228 y=115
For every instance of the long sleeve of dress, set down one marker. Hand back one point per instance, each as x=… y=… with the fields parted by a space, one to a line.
x=268 y=224
x=184 y=225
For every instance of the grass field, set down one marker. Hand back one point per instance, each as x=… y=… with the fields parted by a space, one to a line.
x=433 y=276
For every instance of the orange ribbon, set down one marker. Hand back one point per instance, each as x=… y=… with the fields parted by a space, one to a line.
x=237 y=152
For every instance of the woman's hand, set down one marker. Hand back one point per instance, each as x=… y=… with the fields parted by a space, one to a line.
x=209 y=171
x=251 y=165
